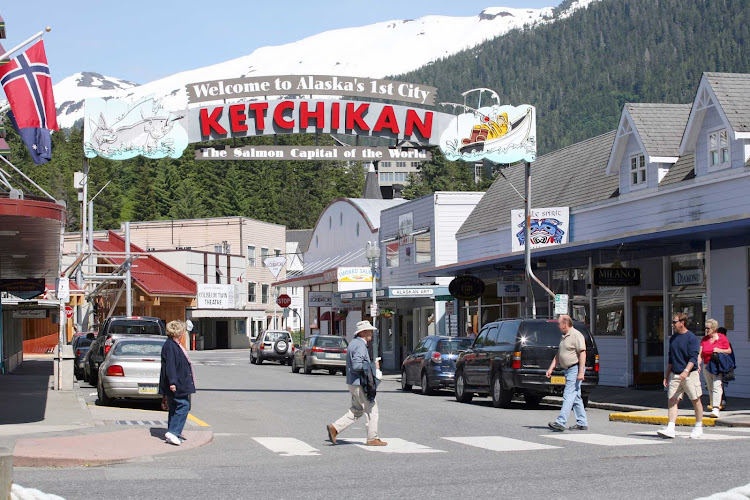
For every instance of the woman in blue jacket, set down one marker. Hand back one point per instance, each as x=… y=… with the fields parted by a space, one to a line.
x=176 y=381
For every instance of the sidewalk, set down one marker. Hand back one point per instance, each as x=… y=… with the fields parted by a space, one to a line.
x=648 y=405
x=57 y=428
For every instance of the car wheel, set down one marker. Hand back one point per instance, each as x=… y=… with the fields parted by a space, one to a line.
x=252 y=359
x=405 y=385
x=500 y=395
x=295 y=368
x=85 y=376
x=462 y=395
x=258 y=359
x=308 y=367
x=532 y=400
x=426 y=389
x=104 y=400
x=331 y=372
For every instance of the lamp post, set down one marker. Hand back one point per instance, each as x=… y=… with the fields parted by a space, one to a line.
x=373 y=256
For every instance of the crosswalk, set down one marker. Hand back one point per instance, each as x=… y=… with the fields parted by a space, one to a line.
x=293 y=447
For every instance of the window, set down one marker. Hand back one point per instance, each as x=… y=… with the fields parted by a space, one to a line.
x=401 y=164
x=638 y=170
x=251 y=297
x=391 y=254
x=422 y=242
x=251 y=256
x=385 y=164
x=218 y=248
x=481 y=338
x=264 y=293
x=263 y=256
x=492 y=339
x=386 y=176
x=718 y=149
x=277 y=252
x=610 y=311
x=508 y=332
x=415 y=164
x=357 y=231
x=399 y=177
x=330 y=222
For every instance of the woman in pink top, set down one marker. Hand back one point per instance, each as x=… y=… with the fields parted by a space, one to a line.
x=711 y=343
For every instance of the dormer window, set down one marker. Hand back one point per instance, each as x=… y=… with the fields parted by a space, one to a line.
x=718 y=149
x=638 y=171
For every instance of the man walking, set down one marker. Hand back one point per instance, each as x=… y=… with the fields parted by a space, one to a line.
x=361 y=382
x=682 y=375
x=571 y=356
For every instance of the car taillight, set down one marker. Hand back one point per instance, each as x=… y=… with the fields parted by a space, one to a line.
x=344 y=351
x=78 y=353
x=262 y=347
x=115 y=371
x=317 y=349
x=436 y=356
x=107 y=348
x=516 y=360
x=596 y=363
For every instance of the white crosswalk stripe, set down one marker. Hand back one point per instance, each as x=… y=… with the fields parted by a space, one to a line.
x=602 y=439
x=287 y=447
x=500 y=443
x=707 y=435
x=395 y=445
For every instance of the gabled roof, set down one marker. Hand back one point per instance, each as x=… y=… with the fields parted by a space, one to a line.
x=658 y=129
x=571 y=176
x=299 y=236
x=729 y=93
x=683 y=170
x=152 y=275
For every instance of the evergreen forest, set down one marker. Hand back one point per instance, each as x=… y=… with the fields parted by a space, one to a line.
x=578 y=72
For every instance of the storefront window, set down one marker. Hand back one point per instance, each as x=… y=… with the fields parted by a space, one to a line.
x=610 y=311
x=391 y=255
x=687 y=272
x=423 y=244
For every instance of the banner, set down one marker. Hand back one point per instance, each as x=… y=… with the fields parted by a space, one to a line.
x=212 y=296
x=549 y=227
x=310 y=153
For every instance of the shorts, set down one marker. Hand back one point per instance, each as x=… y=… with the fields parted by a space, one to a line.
x=691 y=386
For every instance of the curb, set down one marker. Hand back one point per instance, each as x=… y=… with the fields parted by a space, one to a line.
x=729 y=423
x=639 y=417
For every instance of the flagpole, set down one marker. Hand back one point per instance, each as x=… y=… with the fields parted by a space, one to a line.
x=26 y=42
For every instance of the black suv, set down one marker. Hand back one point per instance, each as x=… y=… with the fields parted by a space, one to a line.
x=512 y=356
x=127 y=325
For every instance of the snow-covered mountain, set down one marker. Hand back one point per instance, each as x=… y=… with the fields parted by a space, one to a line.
x=375 y=50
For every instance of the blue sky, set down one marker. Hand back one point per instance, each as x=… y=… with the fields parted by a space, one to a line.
x=143 y=40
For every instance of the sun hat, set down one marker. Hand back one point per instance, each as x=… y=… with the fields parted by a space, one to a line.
x=363 y=325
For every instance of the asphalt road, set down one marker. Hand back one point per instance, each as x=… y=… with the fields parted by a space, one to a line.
x=504 y=452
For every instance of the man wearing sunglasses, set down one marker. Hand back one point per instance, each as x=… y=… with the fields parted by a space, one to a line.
x=682 y=375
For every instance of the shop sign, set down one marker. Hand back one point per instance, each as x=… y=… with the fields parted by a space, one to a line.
x=275 y=265
x=410 y=292
x=329 y=276
x=23 y=288
x=214 y=296
x=511 y=289
x=617 y=276
x=30 y=313
x=406 y=227
x=466 y=287
x=444 y=298
x=549 y=227
x=688 y=277
x=361 y=295
x=319 y=299
x=354 y=274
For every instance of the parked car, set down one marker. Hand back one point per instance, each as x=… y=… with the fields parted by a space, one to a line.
x=511 y=357
x=432 y=365
x=80 y=347
x=121 y=325
x=321 y=352
x=272 y=344
x=131 y=369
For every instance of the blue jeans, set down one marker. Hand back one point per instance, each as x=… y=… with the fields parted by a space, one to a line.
x=178 y=413
x=572 y=398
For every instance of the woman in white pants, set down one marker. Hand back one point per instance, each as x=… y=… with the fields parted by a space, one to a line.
x=711 y=343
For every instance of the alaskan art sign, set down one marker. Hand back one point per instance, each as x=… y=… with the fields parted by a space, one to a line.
x=549 y=227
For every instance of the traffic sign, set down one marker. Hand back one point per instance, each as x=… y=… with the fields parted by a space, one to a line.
x=284 y=300
x=69 y=311
x=561 y=303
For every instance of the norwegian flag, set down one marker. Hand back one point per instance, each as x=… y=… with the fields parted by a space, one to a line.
x=28 y=86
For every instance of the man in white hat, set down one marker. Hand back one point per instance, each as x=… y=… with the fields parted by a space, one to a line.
x=358 y=367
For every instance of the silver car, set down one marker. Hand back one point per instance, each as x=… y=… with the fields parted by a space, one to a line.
x=321 y=352
x=131 y=369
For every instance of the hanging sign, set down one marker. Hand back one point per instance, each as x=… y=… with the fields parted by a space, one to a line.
x=215 y=296
x=466 y=287
x=23 y=288
x=275 y=265
x=617 y=276
x=549 y=227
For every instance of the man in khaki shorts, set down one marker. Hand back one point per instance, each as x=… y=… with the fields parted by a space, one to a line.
x=682 y=375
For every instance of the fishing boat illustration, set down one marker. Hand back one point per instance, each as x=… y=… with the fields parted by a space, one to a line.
x=497 y=132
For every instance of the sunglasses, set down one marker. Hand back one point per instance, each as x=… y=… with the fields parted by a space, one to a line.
x=675 y=322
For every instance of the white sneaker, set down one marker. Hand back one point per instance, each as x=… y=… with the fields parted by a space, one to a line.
x=666 y=432
x=715 y=413
x=697 y=433
x=172 y=439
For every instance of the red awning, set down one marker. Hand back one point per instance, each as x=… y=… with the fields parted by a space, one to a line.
x=326 y=316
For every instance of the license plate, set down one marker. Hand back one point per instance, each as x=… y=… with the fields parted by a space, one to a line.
x=557 y=380
x=332 y=355
x=147 y=388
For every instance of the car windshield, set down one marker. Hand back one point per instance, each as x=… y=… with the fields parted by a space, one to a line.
x=274 y=336
x=451 y=346
x=84 y=342
x=141 y=348
x=547 y=333
x=137 y=327
x=331 y=342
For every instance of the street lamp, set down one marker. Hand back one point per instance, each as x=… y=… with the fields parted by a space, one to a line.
x=373 y=256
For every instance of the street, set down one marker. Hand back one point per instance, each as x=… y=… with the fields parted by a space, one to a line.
x=270 y=442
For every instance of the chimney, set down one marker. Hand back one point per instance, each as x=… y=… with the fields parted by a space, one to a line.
x=372 y=186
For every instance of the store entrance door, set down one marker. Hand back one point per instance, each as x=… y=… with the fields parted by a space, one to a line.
x=648 y=340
